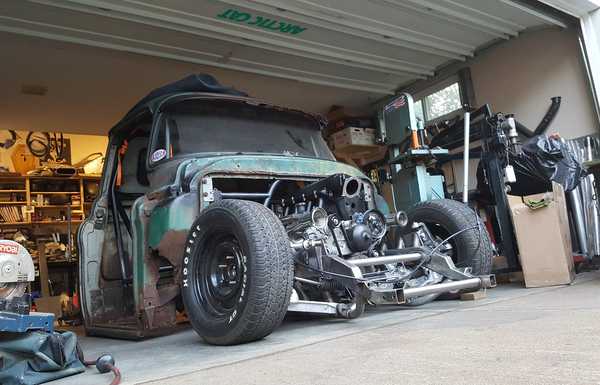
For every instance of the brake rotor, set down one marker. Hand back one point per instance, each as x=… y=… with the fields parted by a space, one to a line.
x=9 y=290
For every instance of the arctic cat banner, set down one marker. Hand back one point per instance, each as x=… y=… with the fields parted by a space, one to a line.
x=261 y=22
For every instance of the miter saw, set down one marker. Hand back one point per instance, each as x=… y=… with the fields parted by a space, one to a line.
x=16 y=271
x=30 y=351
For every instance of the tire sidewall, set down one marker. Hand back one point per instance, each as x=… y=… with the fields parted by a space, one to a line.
x=473 y=247
x=209 y=325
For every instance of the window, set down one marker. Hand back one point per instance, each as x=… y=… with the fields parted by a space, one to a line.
x=220 y=126
x=419 y=110
x=438 y=102
x=134 y=178
x=443 y=102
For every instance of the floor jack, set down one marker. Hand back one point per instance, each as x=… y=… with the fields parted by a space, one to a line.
x=31 y=352
x=409 y=154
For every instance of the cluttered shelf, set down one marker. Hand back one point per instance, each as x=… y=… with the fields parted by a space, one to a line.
x=56 y=222
x=74 y=221
x=10 y=177
x=56 y=206
x=42 y=204
x=45 y=200
x=75 y=177
x=64 y=263
x=55 y=192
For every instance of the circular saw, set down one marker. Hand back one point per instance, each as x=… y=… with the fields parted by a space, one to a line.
x=16 y=270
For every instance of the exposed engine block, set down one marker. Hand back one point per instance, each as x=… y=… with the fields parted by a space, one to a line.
x=337 y=213
x=344 y=254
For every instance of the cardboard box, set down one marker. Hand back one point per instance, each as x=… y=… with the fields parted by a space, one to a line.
x=544 y=239
x=353 y=136
x=49 y=305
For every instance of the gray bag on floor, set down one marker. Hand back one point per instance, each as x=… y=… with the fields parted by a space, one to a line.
x=37 y=357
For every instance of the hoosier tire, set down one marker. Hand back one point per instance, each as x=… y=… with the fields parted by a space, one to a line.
x=237 y=272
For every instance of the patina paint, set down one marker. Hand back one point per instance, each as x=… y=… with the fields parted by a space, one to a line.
x=176 y=214
x=140 y=269
x=151 y=221
x=276 y=165
x=161 y=218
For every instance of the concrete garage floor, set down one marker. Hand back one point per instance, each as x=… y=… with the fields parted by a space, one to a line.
x=514 y=336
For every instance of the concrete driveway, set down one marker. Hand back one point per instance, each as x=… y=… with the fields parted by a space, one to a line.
x=514 y=336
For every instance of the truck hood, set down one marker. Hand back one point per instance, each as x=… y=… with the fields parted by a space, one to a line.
x=275 y=165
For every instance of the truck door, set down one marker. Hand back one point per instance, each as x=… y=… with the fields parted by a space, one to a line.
x=105 y=237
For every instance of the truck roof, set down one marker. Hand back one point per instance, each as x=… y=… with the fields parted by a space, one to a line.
x=188 y=87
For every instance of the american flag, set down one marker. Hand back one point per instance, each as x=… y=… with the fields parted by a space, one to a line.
x=400 y=102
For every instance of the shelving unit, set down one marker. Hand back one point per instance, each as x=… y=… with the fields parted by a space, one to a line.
x=44 y=212
x=13 y=199
x=18 y=194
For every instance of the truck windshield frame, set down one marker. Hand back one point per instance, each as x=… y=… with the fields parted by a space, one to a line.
x=205 y=127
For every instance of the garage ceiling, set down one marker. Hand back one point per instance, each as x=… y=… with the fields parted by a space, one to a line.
x=374 y=46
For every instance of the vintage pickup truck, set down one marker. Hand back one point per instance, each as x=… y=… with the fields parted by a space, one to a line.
x=233 y=212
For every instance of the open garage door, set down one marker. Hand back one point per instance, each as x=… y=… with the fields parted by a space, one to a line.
x=374 y=46
x=588 y=13
x=304 y=54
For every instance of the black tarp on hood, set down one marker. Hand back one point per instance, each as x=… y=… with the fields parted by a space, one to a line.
x=191 y=83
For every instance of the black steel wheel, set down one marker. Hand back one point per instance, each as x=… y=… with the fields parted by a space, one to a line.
x=444 y=217
x=220 y=271
x=237 y=272
x=470 y=248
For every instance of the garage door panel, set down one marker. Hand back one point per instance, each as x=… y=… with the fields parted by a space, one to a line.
x=92 y=26
x=144 y=39
x=373 y=46
x=353 y=81
x=397 y=20
x=317 y=66
x=204 y=17
x=512 y=12
x=340 y=31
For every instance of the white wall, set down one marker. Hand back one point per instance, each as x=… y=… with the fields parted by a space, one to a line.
x=90 y=89
x=521 y=75
x=81 y=146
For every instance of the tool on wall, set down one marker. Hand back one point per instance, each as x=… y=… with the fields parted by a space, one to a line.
x=8 y=143
x=39 y=144
x=59 y=147
x=91 y=164
x=46 y=146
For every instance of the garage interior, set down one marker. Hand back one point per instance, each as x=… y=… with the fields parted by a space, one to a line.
x=72 y=69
